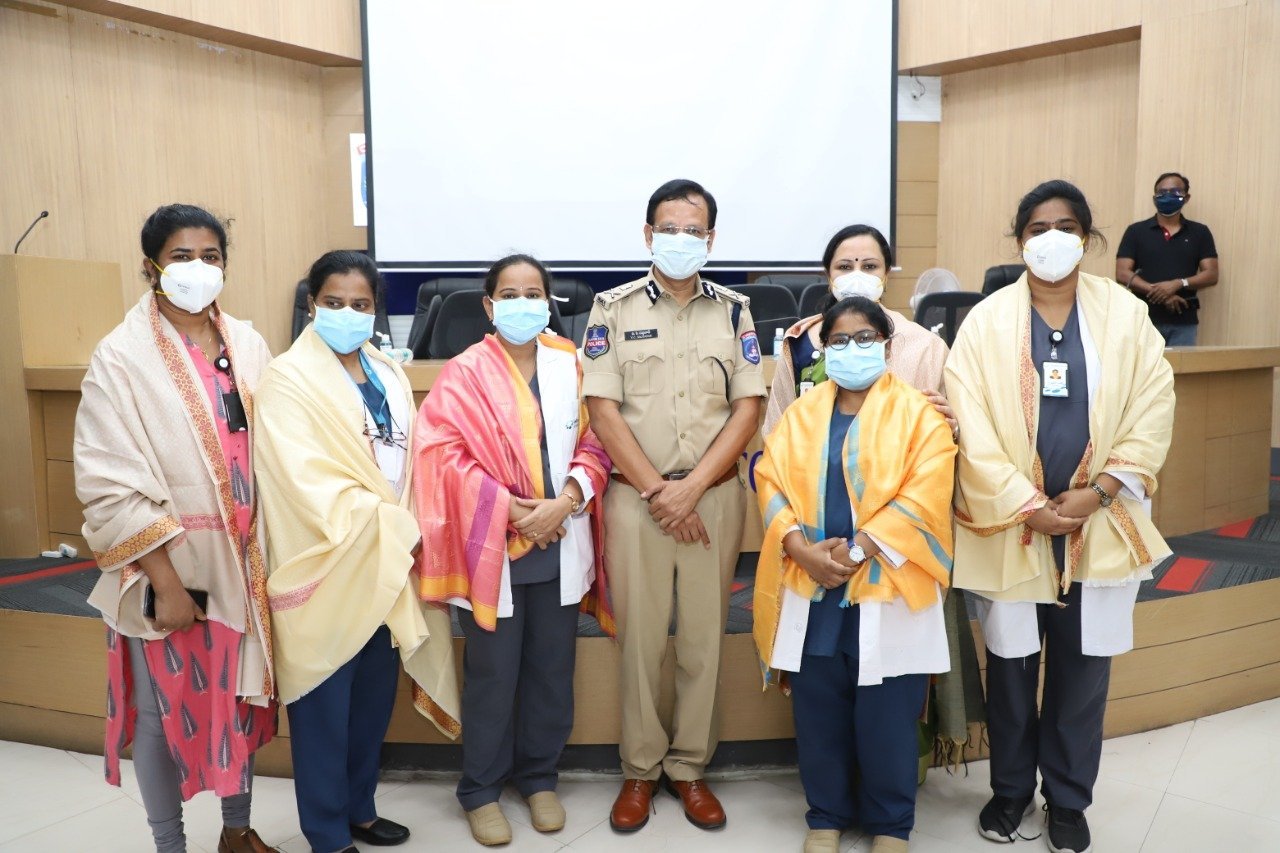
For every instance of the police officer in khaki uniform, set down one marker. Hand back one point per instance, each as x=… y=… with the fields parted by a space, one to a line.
x=674 y=387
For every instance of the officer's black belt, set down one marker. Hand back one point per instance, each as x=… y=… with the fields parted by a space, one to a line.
x=731 y=474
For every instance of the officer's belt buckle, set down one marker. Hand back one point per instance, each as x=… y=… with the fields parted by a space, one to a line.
x=678 y=475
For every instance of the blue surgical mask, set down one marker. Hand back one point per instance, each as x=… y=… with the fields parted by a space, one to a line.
x=678 y=255
x=1169 y=203
x=854 y=368
x=522 y=319
x=344 y=330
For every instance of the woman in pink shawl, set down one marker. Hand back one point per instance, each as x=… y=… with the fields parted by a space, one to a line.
x=163 y=470
x=508 y=484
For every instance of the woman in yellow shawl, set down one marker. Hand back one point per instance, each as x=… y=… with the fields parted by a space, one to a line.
x=334 y=461
x=1066 y=404
x=855 y=487
x=163 y=470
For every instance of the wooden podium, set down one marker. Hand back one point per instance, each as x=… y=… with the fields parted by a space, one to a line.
x=55 y=312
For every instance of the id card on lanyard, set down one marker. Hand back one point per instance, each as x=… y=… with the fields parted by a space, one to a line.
x=1054 y=372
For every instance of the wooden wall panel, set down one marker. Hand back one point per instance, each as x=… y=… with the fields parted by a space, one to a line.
x=106 y=120
x=937 y=37
x=1006 y=129
x=325 y=32
x=1230 y=157
x=343 y=92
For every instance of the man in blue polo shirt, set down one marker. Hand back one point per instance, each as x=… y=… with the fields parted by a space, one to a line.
x=1167 y=259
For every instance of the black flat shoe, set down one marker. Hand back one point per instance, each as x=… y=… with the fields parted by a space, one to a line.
x=381 y=833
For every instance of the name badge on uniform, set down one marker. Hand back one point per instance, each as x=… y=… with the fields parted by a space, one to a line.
x=640 y=335
x=1055 y=379
x=805 y=387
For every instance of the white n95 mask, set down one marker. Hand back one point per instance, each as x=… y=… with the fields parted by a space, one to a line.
x=858 y=283
x=1052 y=256
x=191 y=285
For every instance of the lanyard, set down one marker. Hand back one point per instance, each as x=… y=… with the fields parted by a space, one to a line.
x=382 y=417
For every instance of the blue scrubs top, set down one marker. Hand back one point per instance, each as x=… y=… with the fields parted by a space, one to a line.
x=833 y=628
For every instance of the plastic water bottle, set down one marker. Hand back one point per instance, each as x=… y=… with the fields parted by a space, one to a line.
x=777 y=342
x=386 y=345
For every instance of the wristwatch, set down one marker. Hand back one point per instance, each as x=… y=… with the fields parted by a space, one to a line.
x=857 y=555
x=1186 y=288
x=1105 y=499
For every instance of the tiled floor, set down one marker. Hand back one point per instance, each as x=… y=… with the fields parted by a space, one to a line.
x=1208 y=786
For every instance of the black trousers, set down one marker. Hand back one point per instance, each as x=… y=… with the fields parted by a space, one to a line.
x=517 y=695
x=1063 y=740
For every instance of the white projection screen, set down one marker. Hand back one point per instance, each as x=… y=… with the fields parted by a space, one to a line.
x=544 y=127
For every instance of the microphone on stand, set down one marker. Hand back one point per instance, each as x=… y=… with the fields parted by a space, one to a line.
x=42 y=215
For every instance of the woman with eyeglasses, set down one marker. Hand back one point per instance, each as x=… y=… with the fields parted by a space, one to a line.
x=509 y=479
x=855 y=487
x=163 y=469
x=1067 y=404
x=334 y=460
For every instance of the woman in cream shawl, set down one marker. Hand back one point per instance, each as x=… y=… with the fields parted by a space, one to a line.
x=334 y=452
x=163 y=470
x=1066 y=406
x=855 y=486
x=508 y=483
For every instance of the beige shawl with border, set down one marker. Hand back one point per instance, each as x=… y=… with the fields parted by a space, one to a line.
x=339 y=554
x=995 y=391
x=150 y=473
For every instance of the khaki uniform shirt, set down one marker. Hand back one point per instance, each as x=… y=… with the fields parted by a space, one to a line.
x=675 y=371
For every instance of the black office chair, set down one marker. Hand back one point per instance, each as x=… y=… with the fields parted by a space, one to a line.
x=768 y=301
x=302 y=315
x=811 y=297
x=577 y=291
x=766 y=330
x=1001 y=276
x=947 y=310
x=431 y=294
x=797 y=283
x=460 y=323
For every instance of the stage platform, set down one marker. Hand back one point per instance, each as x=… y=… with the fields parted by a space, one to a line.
x=1207 y=634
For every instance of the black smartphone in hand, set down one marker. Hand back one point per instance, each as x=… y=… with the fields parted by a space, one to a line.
x=199 y=596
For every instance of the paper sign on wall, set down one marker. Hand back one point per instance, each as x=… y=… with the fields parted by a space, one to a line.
x=359 y=182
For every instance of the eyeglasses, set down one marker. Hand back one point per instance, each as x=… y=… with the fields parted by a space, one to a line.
x=389 y=437
x=863 y=339
x=1174 y=193
x=691 y=230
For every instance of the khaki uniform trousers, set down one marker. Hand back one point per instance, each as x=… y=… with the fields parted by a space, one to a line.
x=645 y=568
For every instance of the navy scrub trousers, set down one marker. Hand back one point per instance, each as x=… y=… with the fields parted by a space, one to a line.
x=843 y=729
x=336 y=733
x=1064 y=740
x=517 y=695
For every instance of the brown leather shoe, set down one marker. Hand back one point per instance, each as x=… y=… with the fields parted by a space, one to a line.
x=700 y=805
x=241 y=841
x=635 y=802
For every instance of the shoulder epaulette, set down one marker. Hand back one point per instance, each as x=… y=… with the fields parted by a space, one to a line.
x=608 y=297
x=732 y=295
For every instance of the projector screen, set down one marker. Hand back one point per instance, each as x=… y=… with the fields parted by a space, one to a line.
x=496 y=127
